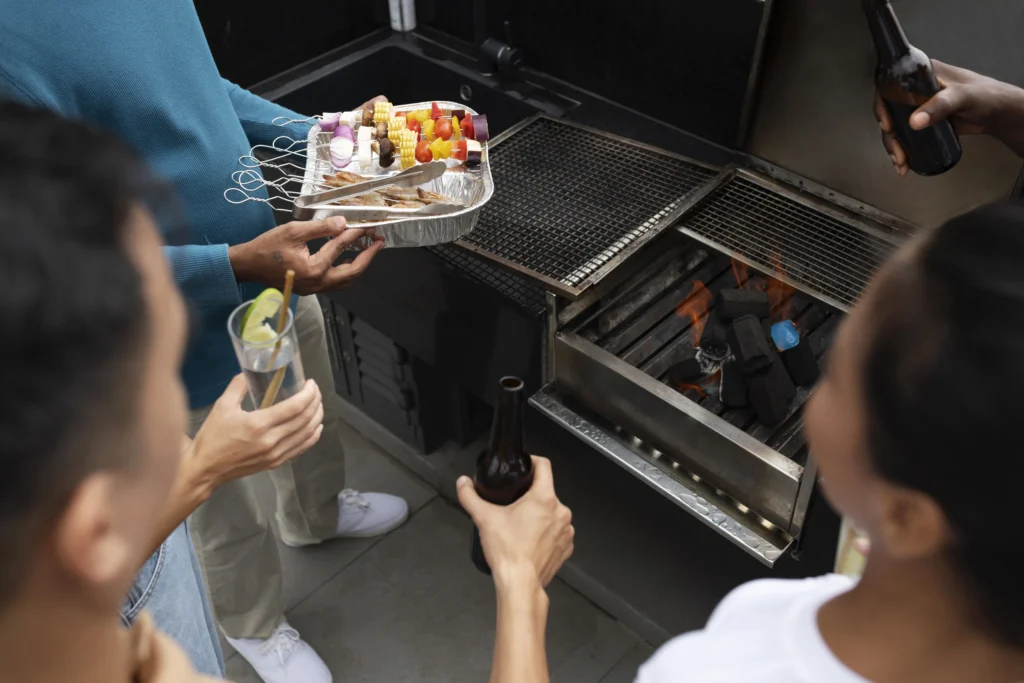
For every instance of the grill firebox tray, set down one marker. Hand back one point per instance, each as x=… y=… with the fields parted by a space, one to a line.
x=571 y=203
x=650 y=325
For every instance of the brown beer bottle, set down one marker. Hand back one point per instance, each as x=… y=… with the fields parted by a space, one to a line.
x=504 y=472
x=905 y=80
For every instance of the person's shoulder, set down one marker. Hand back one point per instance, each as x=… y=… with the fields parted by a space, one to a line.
x=743 y=640
x=766 y=597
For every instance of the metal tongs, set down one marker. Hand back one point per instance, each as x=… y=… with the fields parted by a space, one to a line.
x=307 y=205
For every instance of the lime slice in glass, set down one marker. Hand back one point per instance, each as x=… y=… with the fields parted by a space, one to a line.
x=265 y=306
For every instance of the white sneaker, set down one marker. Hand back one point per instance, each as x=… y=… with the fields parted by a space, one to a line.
x=364 y=515
x=283 y=657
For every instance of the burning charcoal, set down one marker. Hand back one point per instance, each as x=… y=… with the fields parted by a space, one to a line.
x=801 y=364
x=685 y=372
x=767 y=396
x=748 y=343
x=796 y=353
x=733 y=393
x=732 y=304
x=714 y=341
x=781 y=377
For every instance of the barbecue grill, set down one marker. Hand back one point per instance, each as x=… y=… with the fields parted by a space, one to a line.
x=630 y=243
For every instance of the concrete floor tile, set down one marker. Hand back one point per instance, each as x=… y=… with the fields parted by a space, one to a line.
x=414 y=609
x=626 y=669
x=367 y=469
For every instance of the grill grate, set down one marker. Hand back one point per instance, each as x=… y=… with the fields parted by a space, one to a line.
x=524 y=293
x=568 y=200
x=823 y=253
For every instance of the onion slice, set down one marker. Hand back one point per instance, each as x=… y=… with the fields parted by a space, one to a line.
x=341 y=151
x=343 y=131
x=329 y=122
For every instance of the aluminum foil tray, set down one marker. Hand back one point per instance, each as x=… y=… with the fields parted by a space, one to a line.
x=474 y=188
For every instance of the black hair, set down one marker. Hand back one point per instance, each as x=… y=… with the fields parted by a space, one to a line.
x=944 y=386
x=72 y=315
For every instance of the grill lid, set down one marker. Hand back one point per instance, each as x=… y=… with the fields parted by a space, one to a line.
x=571 y=203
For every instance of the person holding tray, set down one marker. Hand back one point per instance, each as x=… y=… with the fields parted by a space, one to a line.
x=143 y=71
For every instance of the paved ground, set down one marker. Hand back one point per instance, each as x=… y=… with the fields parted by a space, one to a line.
x=409 y=607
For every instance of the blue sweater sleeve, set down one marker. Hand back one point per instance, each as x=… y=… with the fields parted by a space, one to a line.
x=204 y=274
x=257 y=116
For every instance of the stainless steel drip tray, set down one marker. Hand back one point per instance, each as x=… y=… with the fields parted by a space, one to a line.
x=732 y=520
x=692 y=436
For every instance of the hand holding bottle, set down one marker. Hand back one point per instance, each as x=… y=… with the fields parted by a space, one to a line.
x=974 y=103
x=528 y=540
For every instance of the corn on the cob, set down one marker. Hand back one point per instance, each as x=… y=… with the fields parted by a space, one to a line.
x=395 y=128
x=382 y=111
x=407 y=147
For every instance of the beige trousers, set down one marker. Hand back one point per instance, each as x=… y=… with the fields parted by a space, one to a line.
x=232 y=536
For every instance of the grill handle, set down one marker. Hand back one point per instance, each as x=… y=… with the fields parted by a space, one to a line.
x=697 y=499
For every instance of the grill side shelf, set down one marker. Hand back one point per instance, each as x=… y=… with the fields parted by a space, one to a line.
x=571 y=203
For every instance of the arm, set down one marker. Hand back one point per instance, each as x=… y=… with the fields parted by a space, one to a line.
x=196 y=267
x=234 y=443
x=525 y=544
x=191 y=489
x=519 y=652
x=257 y=116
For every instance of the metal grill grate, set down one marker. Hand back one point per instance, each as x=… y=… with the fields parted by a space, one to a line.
x=569 y=200
x=526 y=294
x=824 y=254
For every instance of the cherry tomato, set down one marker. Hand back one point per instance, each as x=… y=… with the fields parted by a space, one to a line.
x=413 y=125
x=443 y=129
x=435 y=111
x=423 y=153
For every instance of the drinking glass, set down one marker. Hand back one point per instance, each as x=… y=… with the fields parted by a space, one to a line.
x=262 y=361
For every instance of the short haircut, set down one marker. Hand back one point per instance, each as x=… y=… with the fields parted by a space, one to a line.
x=72 y=313
x=943 y=377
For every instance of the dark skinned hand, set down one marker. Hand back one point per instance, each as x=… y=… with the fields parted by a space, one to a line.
x=266 y=258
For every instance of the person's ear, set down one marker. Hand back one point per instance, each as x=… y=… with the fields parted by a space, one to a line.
x=913 y=525
x=89 y=542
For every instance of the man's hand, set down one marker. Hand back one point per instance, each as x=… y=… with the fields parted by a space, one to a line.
x=369 y=103
x=233 y=443
x=266 y=258
x=529 y=539
x=975 y=104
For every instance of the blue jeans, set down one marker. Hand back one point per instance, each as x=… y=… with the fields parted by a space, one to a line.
x=170 y=587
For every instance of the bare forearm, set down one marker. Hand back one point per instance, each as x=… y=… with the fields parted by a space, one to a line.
x=1007 y=122
x=519 y=653
x=190 y=491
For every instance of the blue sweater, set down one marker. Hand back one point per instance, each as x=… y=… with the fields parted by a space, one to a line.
x=142 y=70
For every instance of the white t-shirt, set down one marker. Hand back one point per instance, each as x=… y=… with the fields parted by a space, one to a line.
x=763 y=632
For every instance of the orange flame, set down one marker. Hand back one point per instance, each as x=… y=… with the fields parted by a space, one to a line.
x=695 y=307
x=741 y=272
x=694 y=387
x=780 y=294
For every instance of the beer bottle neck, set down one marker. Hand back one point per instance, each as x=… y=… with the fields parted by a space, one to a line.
x=507 y=428
x=890 y=40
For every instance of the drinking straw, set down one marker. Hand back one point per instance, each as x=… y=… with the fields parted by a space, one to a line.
x=275 y=383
